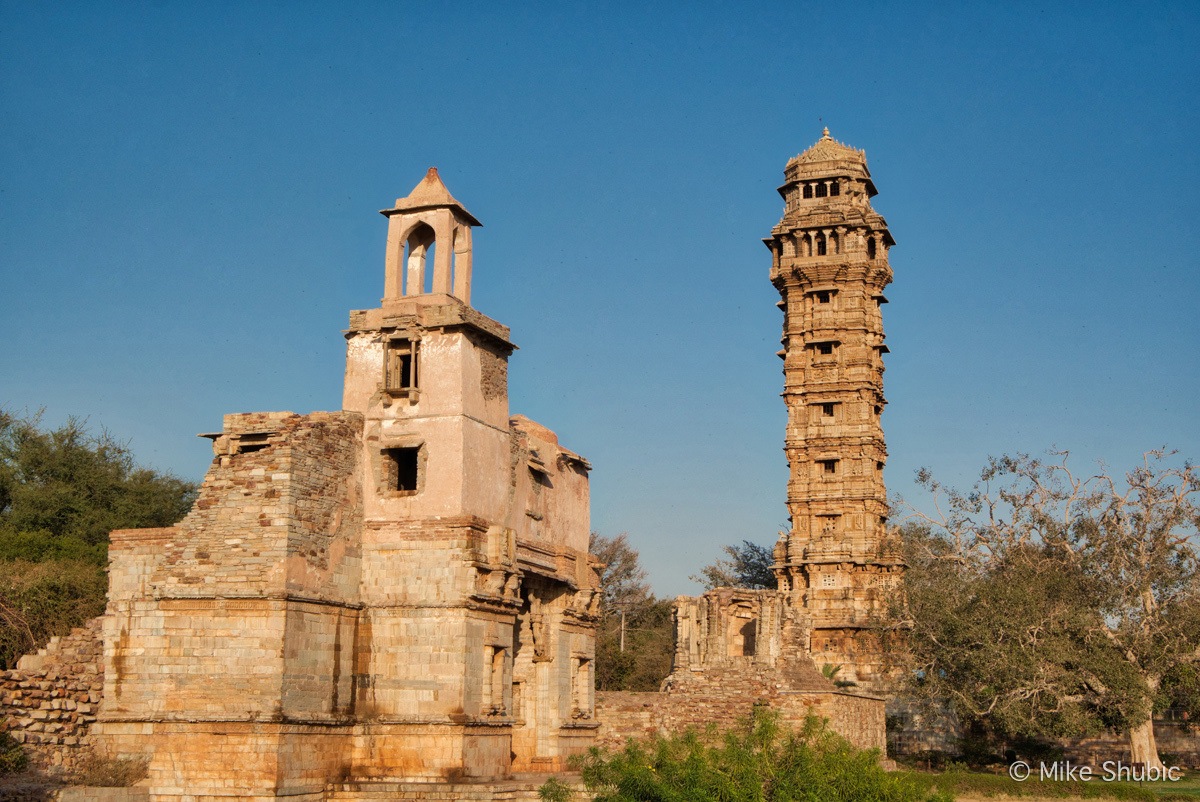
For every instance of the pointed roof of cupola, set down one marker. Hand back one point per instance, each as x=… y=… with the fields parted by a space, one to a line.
x=829 y=149
x=431 y=193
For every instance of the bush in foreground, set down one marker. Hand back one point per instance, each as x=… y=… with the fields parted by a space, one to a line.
x=757 y=761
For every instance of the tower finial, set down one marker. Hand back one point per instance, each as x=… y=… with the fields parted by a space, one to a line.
x=825 y=133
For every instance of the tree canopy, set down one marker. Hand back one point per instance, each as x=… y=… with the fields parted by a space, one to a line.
x=747 y=566
x=61 y=492
x=1043 y=603
x=635 y=642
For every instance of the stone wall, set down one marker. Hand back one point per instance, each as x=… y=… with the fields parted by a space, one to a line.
x=49 y=701
x=624 y=715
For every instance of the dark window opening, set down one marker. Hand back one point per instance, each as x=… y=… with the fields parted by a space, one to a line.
x=878 y=411
x=402 y=467
x=820 y=245
x=879 y=466
x=827 y=410
x=821 y=190
x=835 y=188
x=828 y=465
x=401 y=367
x=824 y=296
x=870 y=247
x=540 y=478
x=825 y=348
x=808 y=190
x=249 y=443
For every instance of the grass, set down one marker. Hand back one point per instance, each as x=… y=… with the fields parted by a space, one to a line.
x=977 y=784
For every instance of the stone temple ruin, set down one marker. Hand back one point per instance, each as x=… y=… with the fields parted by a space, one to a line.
x=400 y=590
x=396 y=601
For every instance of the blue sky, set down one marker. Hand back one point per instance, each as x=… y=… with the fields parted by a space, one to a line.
x=188 y=198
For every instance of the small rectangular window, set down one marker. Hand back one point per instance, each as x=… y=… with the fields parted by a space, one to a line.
x=400 y=367
x=828 y=466
x=825 y=348
x=402 y=469
x=827 y=410
x=823 y=296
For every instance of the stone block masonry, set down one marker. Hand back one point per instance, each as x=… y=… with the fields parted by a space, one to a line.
x=49 y=701
x=359 y=600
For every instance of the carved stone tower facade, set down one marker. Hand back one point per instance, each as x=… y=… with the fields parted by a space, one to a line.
x=830 y=265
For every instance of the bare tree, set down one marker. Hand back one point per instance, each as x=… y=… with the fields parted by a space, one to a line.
x=1044 y=601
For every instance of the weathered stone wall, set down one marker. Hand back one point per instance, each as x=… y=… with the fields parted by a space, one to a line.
x=49 y=701
x=624 y=715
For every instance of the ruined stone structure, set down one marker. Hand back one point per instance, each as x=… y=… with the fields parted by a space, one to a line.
x=48 y=702
x=830 y=265
x=397 y=591
x=733 y=649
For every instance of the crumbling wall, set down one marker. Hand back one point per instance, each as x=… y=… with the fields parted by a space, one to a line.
x=724 y=697
x=735 y=648
x=48 y=702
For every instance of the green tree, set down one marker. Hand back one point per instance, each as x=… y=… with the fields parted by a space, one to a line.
x=61 y=492
x=635 y=641
x=748 y=566
x=1045 y=604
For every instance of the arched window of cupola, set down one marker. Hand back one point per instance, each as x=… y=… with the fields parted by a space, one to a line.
x=835 y=187
x=453 y=258
x=808 y=192
x=821 y=245
x=418 y=273
x=821 y=190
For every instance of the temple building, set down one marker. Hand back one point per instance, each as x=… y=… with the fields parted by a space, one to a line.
x=399 y=591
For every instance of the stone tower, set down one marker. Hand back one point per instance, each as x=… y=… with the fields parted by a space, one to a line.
x=830 y=265
x=396 y=592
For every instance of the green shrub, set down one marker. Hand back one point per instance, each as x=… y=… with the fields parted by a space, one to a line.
x=555 y=790
x=758 y=761
x=42 y=599
x=12 y=757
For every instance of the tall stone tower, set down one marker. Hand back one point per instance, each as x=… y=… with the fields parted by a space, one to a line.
x=830 y=265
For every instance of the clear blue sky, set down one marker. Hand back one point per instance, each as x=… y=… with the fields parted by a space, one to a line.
x=188 y=197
